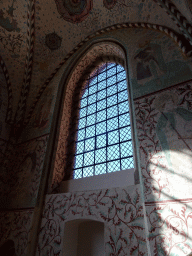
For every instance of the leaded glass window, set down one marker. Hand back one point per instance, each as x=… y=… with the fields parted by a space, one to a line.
x=104 y=142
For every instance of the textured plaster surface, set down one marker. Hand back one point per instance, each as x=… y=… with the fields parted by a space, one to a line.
x=120 y=210
x=164 y=135
x=164 y=122
x=13 y=44
x=4 y=127
x=16 y=225
x=21 y=173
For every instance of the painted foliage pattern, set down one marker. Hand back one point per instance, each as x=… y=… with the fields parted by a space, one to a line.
x=154 y=181
x=13 y=30
x=170 y=226
x=164 y=122
x=119 y=209
x=99 y=50
x=16 y=225
x=164 y=130
x=25 y=173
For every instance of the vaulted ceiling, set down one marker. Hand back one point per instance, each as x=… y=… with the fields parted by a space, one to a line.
x=36 y=36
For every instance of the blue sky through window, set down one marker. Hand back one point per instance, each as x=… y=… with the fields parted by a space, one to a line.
x=104 y=141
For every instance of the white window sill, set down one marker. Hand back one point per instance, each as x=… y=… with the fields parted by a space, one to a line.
x=110 y=180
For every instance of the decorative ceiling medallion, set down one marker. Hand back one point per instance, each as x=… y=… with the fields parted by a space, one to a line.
x=74 y=11
x=53 y=41
x=109 y=4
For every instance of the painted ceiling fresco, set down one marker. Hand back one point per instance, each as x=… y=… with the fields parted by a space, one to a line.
x=36 y=36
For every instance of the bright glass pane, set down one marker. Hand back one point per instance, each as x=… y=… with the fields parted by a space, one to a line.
x=104 y=141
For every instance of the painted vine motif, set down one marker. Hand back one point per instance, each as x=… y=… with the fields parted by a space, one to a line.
x=11 y=42
x=7 y=20
x=153 y=161
x=170 y=229
x=186 y=96
x=25 y=172
x=164 y=127
x=16 y=226
x=120 y=210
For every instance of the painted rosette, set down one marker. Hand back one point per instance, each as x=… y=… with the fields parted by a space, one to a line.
x=53 y=41
x=74 y=11
x=109 y=4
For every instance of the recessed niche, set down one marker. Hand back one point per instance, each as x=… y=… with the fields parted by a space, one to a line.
x=83 y=237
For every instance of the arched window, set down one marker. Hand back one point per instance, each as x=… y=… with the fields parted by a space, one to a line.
x=103 y=138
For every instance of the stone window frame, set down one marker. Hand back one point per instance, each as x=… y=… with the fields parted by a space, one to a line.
x=97 y=53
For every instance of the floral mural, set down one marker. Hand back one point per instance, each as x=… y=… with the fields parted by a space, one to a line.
x=16 y=225
x=40 y=41
x=120 y=210
x=164 y=122
x=170 y=225
x=21 y=173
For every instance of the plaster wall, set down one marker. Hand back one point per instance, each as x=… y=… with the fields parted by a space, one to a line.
x=120 y=209
x=16 y=225
x=164 y=121
x=164 y=66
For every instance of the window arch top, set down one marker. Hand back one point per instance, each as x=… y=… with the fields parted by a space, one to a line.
x=103 y=141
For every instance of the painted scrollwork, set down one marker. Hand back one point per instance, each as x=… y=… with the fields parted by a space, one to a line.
x=119 y=209
x=169 y=229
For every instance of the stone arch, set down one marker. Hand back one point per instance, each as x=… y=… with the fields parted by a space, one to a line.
x=97 y=53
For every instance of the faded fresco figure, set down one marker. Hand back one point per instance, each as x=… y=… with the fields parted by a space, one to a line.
x=43 y=114
x=174 y=126
x=149 y=64
x=150 y=71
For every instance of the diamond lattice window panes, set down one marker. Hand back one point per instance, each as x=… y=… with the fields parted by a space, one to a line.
x=104 y=142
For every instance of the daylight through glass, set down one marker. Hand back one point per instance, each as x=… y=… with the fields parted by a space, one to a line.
x=104 y=142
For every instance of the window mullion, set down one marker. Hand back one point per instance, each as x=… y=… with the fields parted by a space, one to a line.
x=118 y=120
x=96 y=122
x=85 y=128
x=108 y=80
x=106 y=119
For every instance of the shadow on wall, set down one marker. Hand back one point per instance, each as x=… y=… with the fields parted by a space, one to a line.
x=164 y=124
x=8 y=248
